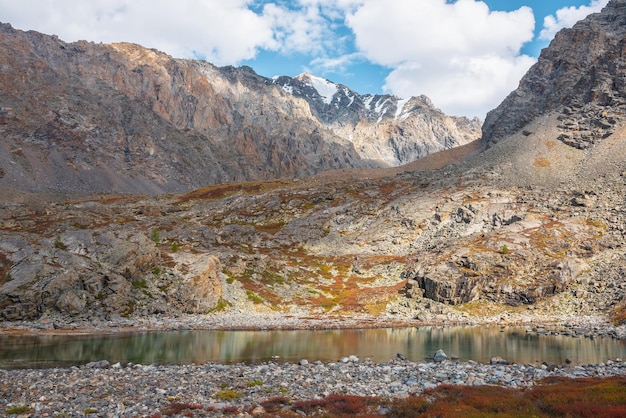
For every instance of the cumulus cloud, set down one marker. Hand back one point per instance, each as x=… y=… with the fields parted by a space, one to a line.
x=223 y=32
x=567 y=16
x=462 y=55
x=303 y=29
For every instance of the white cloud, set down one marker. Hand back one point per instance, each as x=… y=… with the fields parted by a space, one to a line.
x=303 y=29
x=567 y=17
x=465 y=57
x=224 y=32
x=470 y=86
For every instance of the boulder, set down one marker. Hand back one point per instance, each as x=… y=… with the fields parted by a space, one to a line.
x=440 y=356
x=198 y=287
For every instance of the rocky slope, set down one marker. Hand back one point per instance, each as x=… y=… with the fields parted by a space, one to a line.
x=531 y=227
x=87 y=118
x=455 y=243
x=581 y=76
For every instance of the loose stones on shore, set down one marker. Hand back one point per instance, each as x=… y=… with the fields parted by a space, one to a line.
x=135 y=389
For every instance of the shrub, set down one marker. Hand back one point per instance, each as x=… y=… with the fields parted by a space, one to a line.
x=222 y=304
x=155 y=236
x=230 y=410
x=275 y=404
x=346 y=404
x=311 y=406
x=407 y=407
x=174 y=247
x=58 y=243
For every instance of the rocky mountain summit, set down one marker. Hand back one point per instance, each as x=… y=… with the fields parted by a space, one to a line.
x=581 y=76
x=87 y=118
x=382 y=127
x=532 y=227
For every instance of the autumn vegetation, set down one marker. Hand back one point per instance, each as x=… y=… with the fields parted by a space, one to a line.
x=553 y=397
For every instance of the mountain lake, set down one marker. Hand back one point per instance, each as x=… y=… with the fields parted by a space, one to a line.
x=478 y=343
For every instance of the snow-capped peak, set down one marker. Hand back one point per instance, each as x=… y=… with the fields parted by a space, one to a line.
x=325 y=88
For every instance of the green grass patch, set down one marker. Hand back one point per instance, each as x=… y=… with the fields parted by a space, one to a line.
x=253 y=297
x=222 y=305
x=19 y=410
x=228 y=395
x=58 y=243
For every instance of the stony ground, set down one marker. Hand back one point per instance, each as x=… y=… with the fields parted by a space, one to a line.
x=212 y=389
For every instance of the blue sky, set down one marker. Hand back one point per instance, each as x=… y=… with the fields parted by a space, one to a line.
x=466 y=55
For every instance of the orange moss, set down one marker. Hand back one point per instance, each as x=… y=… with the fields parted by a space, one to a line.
x=541 y=162
x=369 y=262
x=229 y=189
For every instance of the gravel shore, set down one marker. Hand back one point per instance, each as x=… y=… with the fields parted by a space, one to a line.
x=588 y=325
x=213 y=389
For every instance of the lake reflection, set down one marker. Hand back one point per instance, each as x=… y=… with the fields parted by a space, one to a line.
x=380 y=345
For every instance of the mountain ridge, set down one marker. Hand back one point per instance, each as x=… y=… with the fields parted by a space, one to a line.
x=89 y=117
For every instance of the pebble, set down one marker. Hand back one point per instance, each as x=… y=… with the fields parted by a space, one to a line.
x=148 y=390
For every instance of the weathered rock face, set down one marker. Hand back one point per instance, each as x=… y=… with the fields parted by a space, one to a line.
x=580 y=75
x=87 y=118
x=519 y=278
x=99 y=273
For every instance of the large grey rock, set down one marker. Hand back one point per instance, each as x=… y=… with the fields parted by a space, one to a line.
x=198 y=287
x=440 y=356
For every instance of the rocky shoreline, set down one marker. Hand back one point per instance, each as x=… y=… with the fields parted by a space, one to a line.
x=594 y=326
x=211 y=389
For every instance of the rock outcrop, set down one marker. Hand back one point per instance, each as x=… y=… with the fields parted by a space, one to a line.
x=580 y=76
x=91 y=272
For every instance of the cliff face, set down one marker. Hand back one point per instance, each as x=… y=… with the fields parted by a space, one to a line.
x=581 y=76
x=86 y=118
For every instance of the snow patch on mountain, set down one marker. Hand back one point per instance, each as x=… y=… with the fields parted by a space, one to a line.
x=325 y=88
x=381 y=108
x=400 y=107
